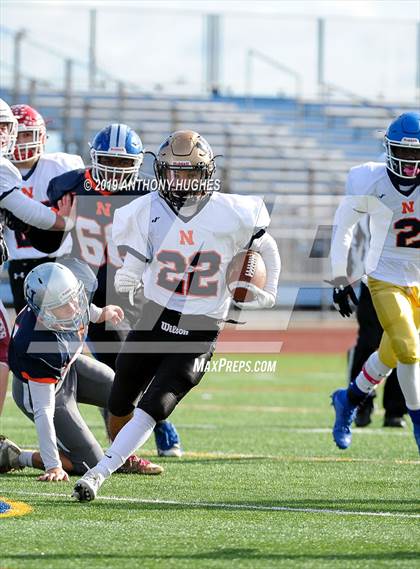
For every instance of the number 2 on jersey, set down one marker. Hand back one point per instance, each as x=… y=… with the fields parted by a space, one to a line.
x=410 y=228
x=199 y=266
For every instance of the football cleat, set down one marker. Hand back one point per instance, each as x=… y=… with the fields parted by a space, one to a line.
x=9 y=456
x=86 y=488
x=395 y=421
x=364 y=413
x=167 y=440
x=136 y=465
x=416 y=430
x=345 y=413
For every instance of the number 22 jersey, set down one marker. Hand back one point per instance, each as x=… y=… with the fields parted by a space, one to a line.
x=187 y=258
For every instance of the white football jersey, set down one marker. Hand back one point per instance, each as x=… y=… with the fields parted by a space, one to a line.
x=187 y=258
x=34 y=185
x=394 y=225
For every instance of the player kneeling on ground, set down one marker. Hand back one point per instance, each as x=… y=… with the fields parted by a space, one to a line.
x=180 y=242
x=51 y=376
x=390 y=194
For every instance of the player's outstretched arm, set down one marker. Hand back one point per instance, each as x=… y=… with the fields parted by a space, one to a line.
x=37 y=214
x=43 y=404
x=347 y=215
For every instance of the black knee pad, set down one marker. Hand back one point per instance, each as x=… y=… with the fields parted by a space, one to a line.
x=118 y=404
x=160 y=406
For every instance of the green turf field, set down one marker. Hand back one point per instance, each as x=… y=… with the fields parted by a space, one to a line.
x=261 y=485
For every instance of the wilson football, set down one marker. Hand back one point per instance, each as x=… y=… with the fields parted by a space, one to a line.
x=246 y=266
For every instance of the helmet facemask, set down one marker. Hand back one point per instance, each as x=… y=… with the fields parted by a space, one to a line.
x=403 y=158
x=114 y=172
x=184 y=185
x=27 y=148
x=8 y=134
x=66 y=312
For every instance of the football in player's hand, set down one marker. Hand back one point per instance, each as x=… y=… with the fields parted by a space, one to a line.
x=249 y=267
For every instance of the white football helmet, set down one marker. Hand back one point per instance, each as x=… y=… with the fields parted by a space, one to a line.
x=57 y=297
x=8 y=129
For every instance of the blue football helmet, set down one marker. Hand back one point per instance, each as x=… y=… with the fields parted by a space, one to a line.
x=57 y=297
x=402 y=146
x=117 y=153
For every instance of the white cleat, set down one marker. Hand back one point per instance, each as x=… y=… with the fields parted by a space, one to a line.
x=9 y=455
x=87 y=487
x=175 y=450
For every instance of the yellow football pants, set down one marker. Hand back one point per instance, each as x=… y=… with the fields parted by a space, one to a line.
x=398 y=311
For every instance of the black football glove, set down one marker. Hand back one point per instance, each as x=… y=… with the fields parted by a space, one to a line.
x=13 y=222
x=341 y=295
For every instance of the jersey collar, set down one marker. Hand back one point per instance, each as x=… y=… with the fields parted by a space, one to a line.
x=30 y=171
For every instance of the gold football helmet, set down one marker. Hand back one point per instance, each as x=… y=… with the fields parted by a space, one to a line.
x=183 y=167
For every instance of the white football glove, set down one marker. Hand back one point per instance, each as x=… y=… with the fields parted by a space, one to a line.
x=127 y=282
x=263 y=299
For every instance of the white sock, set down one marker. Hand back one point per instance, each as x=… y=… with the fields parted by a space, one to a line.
x=409 y=380
x=25 y=458
x=373 y=373
x=132 y=436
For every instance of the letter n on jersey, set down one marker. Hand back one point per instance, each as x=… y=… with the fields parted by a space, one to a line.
x=408 y=207
x=186 y=237
x=103 y=208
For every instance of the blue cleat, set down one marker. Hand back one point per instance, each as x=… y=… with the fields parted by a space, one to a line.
x=345 y=413
x=167 y=439
x=417 y=434
x=415 y=417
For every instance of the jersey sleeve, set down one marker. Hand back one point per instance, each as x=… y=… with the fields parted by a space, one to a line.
x=43 y=406
x=28 y=210
x=10 y=178
x=130 y=229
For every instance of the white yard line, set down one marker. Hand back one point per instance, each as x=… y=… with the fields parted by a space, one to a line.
x=223 y=506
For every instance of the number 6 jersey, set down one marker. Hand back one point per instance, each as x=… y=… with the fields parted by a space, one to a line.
x=394 y=223
x=186 y=258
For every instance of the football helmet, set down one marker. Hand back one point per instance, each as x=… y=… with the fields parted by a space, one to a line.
x=183 y=166
x=117 y=153
x=402 y=146
x=57 y=297
x=8 y=133
x=29 y=120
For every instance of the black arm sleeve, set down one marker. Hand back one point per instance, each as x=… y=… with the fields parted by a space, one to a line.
x=45 y=241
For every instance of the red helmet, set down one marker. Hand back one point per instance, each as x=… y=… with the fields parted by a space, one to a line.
x=29 y=120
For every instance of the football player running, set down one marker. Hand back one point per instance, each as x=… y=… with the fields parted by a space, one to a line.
x=180 y=241
x=14 y=201
x=109 y=183
x=37 y=168
x=389 y=194
x=51 y=375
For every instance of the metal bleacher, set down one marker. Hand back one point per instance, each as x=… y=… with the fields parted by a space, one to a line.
x=294 y=153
